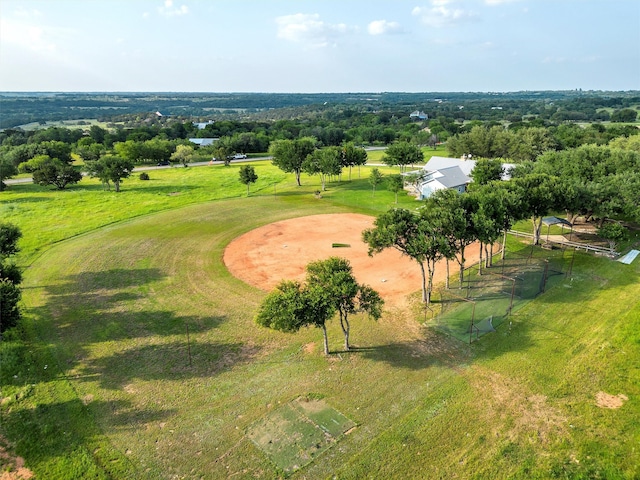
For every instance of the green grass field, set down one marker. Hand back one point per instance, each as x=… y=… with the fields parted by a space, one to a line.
x=103 y=381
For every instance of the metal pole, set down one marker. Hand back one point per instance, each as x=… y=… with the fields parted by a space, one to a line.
x=513 y=292
x=571 y=264
x=188 y=344
x=473 y=317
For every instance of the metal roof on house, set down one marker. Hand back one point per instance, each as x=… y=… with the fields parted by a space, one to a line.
x=439 y=163
x=452 y=177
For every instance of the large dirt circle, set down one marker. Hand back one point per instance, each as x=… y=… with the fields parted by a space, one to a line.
x=281 y=250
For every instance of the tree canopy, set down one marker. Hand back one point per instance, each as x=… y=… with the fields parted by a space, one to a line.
x=7 y=170
x=248 y=176
x=416 y=236
x=330 y=287
x=353 y=156
x=334 y=277
x=51 y=171
x=110 y=168
x=402 y=154
x=183 y=154
x=325 y=162
x=290 y=155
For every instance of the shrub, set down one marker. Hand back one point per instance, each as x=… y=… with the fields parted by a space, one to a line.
x=9 y=310
x=144 y=176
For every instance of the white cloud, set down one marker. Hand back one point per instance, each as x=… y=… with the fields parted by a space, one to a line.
x=493 y=3
x=168 y=10
x=30 y=36
x=308 y=28
x=441 y=16
x=382 y=27
x=21 y=12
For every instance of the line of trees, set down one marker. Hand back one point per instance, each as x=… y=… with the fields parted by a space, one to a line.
x=520 y=143
x=303 y=155
x=593 y=181
x=150 y=142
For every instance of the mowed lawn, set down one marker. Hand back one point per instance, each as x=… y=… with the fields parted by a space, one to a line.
x=140 y=358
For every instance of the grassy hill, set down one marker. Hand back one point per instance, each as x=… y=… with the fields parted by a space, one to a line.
x=139 y=357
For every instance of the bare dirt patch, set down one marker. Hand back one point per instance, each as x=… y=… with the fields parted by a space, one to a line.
x=605 y=400
x=281 y=250
x=523 y=413
x=12 y=467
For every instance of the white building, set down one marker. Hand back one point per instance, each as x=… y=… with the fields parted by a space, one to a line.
x=452 y=173
x=418 y=115
x=203 y=125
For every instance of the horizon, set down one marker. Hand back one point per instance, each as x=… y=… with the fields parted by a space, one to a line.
x=478 y=92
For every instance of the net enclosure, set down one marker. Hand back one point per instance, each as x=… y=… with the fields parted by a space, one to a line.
x=484 y=301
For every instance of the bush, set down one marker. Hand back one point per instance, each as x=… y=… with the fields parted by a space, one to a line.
x=9 y=310
x=144 y=176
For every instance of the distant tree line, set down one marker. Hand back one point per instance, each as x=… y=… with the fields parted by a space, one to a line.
x=149 y=138
x=555 y=106
x=521 y=142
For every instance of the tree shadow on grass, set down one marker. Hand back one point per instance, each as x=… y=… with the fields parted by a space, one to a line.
x=169 y=190
x=114 y=279
x=94 y=308
x=54 y=437
x=106 y=306
x=122 y=325
x=173 y=360
x=428 y=351
x=18 y=201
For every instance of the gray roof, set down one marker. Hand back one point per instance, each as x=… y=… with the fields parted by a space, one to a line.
x=452 y=177
x=440 y=163
x=555 y=221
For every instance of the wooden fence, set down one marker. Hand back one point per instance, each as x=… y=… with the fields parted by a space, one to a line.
x=578 y=246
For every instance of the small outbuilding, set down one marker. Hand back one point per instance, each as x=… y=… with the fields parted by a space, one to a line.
x=549 y=221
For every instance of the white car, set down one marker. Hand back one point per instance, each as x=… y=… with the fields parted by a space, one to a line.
x=239 y=156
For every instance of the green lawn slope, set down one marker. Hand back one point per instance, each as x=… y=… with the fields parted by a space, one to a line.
x=139 y=358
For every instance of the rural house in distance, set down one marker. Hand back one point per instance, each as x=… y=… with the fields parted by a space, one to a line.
x=418 y=115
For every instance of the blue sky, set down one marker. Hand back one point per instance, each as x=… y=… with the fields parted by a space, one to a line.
x=319 y=45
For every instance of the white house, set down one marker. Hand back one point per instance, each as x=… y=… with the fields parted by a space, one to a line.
x=203 y=142
x=203 y=125
x=445 y=178
x=418 y=115
x=452 y=173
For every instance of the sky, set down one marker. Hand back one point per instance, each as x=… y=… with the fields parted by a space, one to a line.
x=317 y=46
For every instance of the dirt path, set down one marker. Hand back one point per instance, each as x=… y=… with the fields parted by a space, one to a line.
x=281 y=250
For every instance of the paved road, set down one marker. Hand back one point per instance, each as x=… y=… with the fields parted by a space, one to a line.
x=16 y=181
